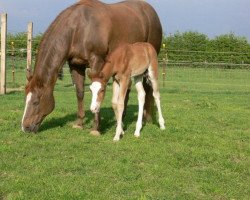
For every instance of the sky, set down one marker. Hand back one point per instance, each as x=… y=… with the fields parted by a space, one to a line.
x=211 y=17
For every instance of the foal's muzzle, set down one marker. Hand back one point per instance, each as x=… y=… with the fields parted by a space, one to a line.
x=95 y=108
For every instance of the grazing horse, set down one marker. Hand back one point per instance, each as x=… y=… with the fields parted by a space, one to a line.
x=83 y=35
x=129 y=60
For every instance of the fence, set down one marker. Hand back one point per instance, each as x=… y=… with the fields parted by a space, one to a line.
x=174 y=75
x=179 y=69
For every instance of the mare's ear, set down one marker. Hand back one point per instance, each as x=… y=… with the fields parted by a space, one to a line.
x=29 y=74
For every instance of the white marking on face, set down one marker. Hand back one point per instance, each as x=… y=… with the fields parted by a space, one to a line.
x=28 y=98
x=95 y=87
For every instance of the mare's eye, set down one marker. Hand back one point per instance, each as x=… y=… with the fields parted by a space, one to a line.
x=36 y=103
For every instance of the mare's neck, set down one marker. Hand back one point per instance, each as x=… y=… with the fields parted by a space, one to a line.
x=51 y=56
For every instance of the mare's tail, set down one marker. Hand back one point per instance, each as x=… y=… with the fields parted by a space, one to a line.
x=149 y=109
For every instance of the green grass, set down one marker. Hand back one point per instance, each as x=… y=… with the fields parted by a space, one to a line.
x=202 y=154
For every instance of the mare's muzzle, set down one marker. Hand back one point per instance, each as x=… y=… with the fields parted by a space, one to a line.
x=32 y=128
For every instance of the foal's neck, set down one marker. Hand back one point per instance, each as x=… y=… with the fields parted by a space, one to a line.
x=108 y=71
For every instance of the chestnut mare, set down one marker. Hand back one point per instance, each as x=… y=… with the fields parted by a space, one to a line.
x=130 y=60
x=83 y=35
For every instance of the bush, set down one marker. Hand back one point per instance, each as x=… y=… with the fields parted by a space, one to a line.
x=17 y=44
x=197 y=47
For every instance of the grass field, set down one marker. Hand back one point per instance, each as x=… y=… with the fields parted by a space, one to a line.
x=202 y=154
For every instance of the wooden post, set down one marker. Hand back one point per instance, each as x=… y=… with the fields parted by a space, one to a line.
x=13 y=61
x=3 y=52
x=29 y=46
x=165 y=62
x=164 y=71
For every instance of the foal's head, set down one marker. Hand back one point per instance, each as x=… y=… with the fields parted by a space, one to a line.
x=98 y=89
x=39 y=103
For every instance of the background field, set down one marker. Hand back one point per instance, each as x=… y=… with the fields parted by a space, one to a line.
x=203 y=153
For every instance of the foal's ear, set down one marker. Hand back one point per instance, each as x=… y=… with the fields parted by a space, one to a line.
x=89 y=73
x=101 y=75
x=107 y=60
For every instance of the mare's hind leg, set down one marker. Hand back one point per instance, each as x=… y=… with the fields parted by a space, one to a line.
x=141 y=101
x=78 y=75
x=156 y=94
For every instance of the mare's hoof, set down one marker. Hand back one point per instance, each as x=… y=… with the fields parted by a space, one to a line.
x=95 y=133
x=77 y=126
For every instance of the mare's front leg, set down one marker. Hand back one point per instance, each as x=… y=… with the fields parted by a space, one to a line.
x=120 y=107
x=78 y=75
x=96 y=64
x=96 y=125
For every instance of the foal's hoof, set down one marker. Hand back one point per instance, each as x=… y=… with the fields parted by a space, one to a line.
x=137 y=135
x=95 y=133
x=77 y=126
x=116 y=139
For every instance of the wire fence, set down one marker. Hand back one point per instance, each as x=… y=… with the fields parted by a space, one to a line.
x=177 y=73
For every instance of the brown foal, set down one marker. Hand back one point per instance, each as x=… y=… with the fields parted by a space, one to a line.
x=129 y=60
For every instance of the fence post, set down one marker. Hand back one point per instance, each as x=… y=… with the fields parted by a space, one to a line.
x=13 y=60
x=165 y=61
x=164 y=71
x=3 y=52
x=29 y=46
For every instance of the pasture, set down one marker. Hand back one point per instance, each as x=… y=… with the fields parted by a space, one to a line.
x=202 y=154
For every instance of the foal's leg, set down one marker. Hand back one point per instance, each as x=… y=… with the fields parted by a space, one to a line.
x=141 y=101
x=120 y=108
x=156 y=94
x=115 y=96
x=78 y=75
x=126 y=100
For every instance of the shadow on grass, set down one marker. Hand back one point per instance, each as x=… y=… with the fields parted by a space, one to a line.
x=14 y=91
x=57 y=122
x=107 y=119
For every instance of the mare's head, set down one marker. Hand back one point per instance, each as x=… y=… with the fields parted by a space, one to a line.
x=98 y=89
x=39 y=103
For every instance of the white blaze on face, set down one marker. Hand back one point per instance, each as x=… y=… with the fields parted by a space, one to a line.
x=95 y=87
x=28 y=98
